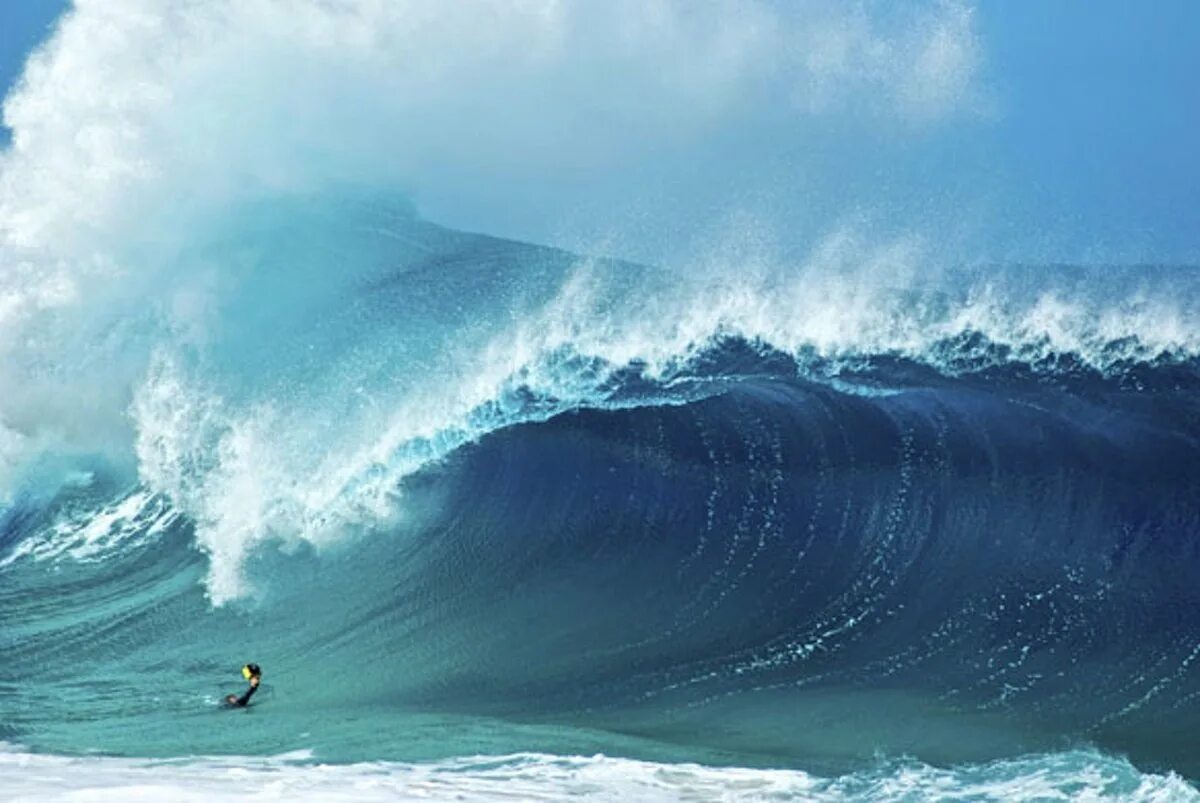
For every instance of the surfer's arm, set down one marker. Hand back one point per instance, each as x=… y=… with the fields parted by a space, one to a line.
x=245 y=698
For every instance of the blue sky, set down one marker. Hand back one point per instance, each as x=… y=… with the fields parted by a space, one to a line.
x=23 y=24
x=1100 y=114
x=1088 y=150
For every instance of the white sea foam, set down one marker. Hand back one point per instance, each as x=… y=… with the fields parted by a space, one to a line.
x=135 y=99
x=93 y=533
x=531 y=777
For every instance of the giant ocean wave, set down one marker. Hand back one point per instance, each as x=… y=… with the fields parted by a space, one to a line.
x=856 y=511
x=575 y=505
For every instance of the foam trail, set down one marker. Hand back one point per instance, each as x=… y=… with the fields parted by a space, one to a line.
x=547 y=777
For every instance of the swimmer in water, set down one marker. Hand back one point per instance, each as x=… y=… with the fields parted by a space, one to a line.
x=252 y=673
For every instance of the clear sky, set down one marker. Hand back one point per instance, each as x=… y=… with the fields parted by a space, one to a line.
x=1085 y=147
x=1100 y=114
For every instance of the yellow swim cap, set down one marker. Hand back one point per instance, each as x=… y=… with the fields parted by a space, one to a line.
x=246 y=673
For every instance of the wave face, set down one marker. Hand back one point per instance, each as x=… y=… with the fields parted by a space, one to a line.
x=489 y=486
x=847 y=514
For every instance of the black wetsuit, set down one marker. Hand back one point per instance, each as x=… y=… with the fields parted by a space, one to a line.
x=244 y=700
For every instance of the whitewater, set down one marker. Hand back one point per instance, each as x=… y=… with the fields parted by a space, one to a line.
x=503 y=520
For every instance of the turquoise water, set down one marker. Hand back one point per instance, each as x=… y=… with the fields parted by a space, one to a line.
x=324 y=728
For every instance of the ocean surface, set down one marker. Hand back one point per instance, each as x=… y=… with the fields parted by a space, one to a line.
x=504 y=521
x=499 y=517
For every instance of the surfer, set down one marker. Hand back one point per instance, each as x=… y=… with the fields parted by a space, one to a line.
x=252 y=673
